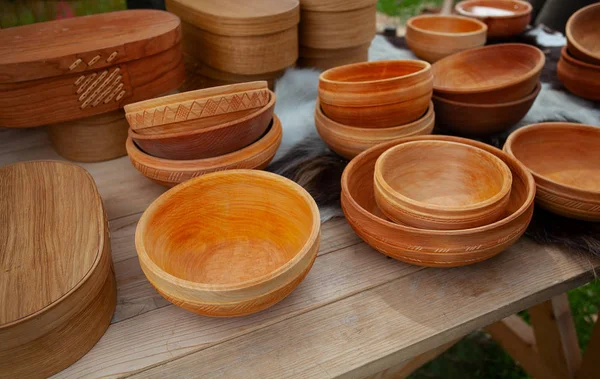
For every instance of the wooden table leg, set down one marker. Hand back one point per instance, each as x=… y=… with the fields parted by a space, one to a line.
x=590 y=364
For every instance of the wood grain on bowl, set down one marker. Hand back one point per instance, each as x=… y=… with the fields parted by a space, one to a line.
x=335 y=5
x=583 y=34
x=504 y=18
x=324 y=59
x=580 y=78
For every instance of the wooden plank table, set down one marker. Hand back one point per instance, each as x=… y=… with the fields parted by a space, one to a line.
x=357 y=313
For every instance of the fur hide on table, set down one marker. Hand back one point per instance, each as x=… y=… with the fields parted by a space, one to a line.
x=306 y=159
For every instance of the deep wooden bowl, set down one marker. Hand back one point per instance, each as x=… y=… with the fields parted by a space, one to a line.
x=481 y=119
x=349 y=141
x=212 y=140
x=504 y=18
x=229 y=243
x=172 y=172
x=376 y=94
x=489 y=74
x=441 y=185
x=565 y=161
x=433 y=37
x=441 y=248
x=583 y=34
x=57 y=287
x=324 y=59
x=581 y=78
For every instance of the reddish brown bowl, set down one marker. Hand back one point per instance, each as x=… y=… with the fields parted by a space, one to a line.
x=581 y=78
x=504 y=18
x=583 y=34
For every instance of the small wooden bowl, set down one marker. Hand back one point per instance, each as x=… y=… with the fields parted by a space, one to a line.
x=482 y=119
x=582 y=79
x=324 y=59
x=504 y=18
x=433 y=37
x=229 y=243
x=209 y=141
x=565 y=162
x=349 y=141
x=489 y=74
x=440 y=248
x=583 y=34
x=189 y=111
x=172 y=172
x=441 y=185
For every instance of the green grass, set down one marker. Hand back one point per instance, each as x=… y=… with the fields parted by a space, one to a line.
x=405 y=8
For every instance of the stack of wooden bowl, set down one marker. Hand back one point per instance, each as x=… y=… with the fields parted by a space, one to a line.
x=486 y=90
x=239 y=41
x=363 y=104
x=335 y=33
x=178 y=137
x=579 y=64
x=437 y=200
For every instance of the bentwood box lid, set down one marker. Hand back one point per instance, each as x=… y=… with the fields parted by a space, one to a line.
x=238 y=18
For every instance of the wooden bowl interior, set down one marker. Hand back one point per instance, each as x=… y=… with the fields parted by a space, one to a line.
x=446 y=24
x=584 y=30
x=229 y=229
x=494 y=8
x=373 y=71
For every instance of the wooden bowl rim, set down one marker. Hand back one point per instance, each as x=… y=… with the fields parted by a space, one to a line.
x=525 y=174
x=531 y=73
x=391 y=192
x=482 y=26
x=275 y=179
x=569 y=31
x=564 y=53
x=532 y=95
x=374 y=66
x=540 y=127
x=459 y=7
x=101 y=241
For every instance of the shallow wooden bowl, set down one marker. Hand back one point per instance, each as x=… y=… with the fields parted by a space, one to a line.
x=581 y=78
x=229 y=243
x=489 y=74
x=207 y=141
x=583 y=34
x=168 y=172
x=441 y=185
x=504 y=18
x=349 y=141
x=433 y=37
x=324 y=59
x=482 y=119
x=57 y=287
x=441 y=248
x=565 y=161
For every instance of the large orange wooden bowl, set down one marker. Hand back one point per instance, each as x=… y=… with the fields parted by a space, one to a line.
x=580 y=78
x=583 y=34
x=230 y=243
x=504 y=18
x=440 y=248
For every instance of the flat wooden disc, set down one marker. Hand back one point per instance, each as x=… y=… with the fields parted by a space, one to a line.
x=238 y=18
x=51 y=230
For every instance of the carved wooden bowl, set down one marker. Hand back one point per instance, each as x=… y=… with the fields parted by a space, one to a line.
x=432 y=37
x=565 y=161
x=583 y=34
x=206 y=141
x=230 y=243
x=376 y=94
x=441 y=248
x=482 y=119
x=504 y=18
x=168 y=172
x=581 y=78
x=489 y=74
x=349 y=141
x=441 y=185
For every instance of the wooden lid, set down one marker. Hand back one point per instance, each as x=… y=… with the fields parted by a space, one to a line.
x=80 y=44
x=238 y=18
x=51 y=235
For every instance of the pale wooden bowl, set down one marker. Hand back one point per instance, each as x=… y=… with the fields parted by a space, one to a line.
x=565 y=161
x=504 y=18
x=580 y=78
x=482 y=119
x=583 y=34
x=169 y=172
x=349 y=141
x=433 y=37
x=489 y=74
x=441 y=185
x=376 y=94
x=440 y=248
x=230 y=243
x=335 y=5
x=211 y=140
x=324 y=59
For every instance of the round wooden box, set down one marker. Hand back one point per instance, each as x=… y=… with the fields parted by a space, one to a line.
x=240 y=37
x=57 y=288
